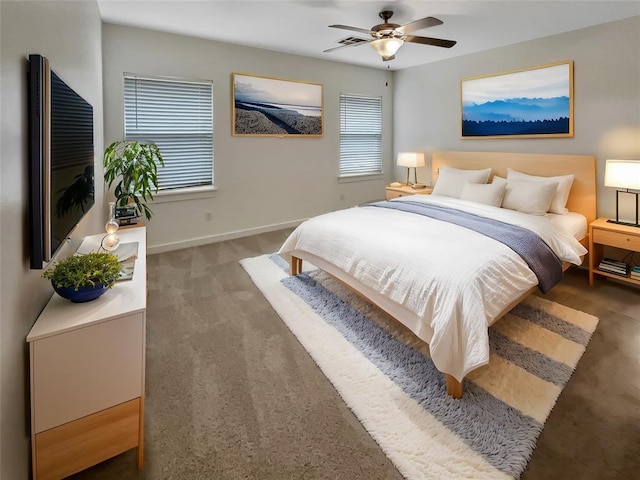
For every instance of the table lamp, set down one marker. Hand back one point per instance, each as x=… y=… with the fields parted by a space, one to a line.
x=623 y=175
x=111 y=240
x=412 y=160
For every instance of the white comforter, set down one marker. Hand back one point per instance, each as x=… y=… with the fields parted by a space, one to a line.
x=454 y=281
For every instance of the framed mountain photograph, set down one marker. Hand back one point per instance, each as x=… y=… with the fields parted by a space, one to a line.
x=527 y=103
x=275 y=107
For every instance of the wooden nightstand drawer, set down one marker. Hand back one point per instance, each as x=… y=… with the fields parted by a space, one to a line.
x=404 y=191
x=395 y=194
x=616 y=239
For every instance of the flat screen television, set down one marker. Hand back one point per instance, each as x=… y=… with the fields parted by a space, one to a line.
x=61 y=160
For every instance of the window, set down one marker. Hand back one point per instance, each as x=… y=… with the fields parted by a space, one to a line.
x=177 y=116
x=360 y=135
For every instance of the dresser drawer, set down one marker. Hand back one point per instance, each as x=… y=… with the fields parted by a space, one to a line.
x=87 y=370
x=616 y=239
x=77 y=445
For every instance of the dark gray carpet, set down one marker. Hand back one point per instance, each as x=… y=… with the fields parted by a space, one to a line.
x=231 y=394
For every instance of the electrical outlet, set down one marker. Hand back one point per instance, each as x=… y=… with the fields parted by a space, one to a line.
x=208 y=216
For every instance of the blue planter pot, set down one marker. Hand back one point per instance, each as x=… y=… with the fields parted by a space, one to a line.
x=83 y=294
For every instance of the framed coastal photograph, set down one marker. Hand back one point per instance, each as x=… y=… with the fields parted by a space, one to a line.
x=275 y=107
x=528 y=103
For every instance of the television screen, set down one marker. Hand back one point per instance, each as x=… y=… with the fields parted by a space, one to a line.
x=61 y=160
x=71 y=164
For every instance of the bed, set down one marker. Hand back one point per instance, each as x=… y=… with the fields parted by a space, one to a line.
x=446 y=282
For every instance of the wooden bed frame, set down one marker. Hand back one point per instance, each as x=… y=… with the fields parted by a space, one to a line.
x=582 y=198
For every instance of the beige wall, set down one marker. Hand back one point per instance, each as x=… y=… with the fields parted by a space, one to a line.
x=67 y=33
x=607 y=99
x=262 y=183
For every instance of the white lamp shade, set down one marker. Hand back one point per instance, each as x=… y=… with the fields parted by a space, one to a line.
x=387 y=47
x=622 y=174
x=411 y=159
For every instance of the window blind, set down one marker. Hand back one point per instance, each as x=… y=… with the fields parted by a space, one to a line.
x=360 y=135
x=178 y=117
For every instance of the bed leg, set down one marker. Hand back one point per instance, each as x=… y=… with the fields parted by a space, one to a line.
x=296 y=266
x=454 y=387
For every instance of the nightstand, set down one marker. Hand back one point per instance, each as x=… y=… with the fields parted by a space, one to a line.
x=602 y=233
x=395 y=192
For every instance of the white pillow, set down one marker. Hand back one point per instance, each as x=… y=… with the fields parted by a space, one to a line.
x=529 y=196
x=488 y=193
x=499 y=180
x=562 y=192
x=451 y=180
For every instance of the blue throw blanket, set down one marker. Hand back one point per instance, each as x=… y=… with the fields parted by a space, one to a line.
x=533 y=250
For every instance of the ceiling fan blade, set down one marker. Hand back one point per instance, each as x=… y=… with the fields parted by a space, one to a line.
x=436 y=42
x=355 y=29
x=419 y=25
x=348 y=45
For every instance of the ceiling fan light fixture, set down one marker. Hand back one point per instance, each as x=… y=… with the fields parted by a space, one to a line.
x=387 y=47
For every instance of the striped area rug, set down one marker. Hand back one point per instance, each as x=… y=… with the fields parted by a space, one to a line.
x=385 y=375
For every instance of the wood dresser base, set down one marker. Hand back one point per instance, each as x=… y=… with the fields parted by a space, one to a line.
x=74 y=446
x=454 y=387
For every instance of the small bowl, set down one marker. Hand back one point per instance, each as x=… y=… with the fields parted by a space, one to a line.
x=82 y=294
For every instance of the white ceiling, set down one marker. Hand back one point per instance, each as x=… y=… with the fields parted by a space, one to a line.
x=301 y=26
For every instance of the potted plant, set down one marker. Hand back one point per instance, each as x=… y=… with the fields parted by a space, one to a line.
x=81 y=278
x=135 y=164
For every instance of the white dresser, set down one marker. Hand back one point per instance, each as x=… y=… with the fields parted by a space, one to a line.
x=87 y=364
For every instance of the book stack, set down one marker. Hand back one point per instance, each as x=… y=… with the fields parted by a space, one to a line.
x=616 y=267
x=635 y=273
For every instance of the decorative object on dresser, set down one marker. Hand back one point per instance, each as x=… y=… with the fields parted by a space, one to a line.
x=624 y=175
x=82 y=278
x=111 y=240
x=412 y=160
x=603 y=232
x=135 y=166
x=87 y=374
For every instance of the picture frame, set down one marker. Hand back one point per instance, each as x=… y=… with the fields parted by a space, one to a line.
x=265 y=106
x=535 y=102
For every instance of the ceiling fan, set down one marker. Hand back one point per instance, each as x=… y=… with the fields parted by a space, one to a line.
x=387 y=37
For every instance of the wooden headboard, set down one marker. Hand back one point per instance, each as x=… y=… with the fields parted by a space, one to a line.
x=582 y=198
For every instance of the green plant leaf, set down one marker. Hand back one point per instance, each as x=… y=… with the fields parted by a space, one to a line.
x=135 y=165
x=82 y=270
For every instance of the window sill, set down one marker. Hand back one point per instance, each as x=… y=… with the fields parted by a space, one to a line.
x=360 y=178
x=184 y=194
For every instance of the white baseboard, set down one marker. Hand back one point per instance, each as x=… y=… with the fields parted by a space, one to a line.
x=220 y=237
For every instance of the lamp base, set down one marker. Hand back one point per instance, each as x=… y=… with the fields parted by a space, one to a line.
x=617 y=220
x=418 y=186
x=628 y=224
